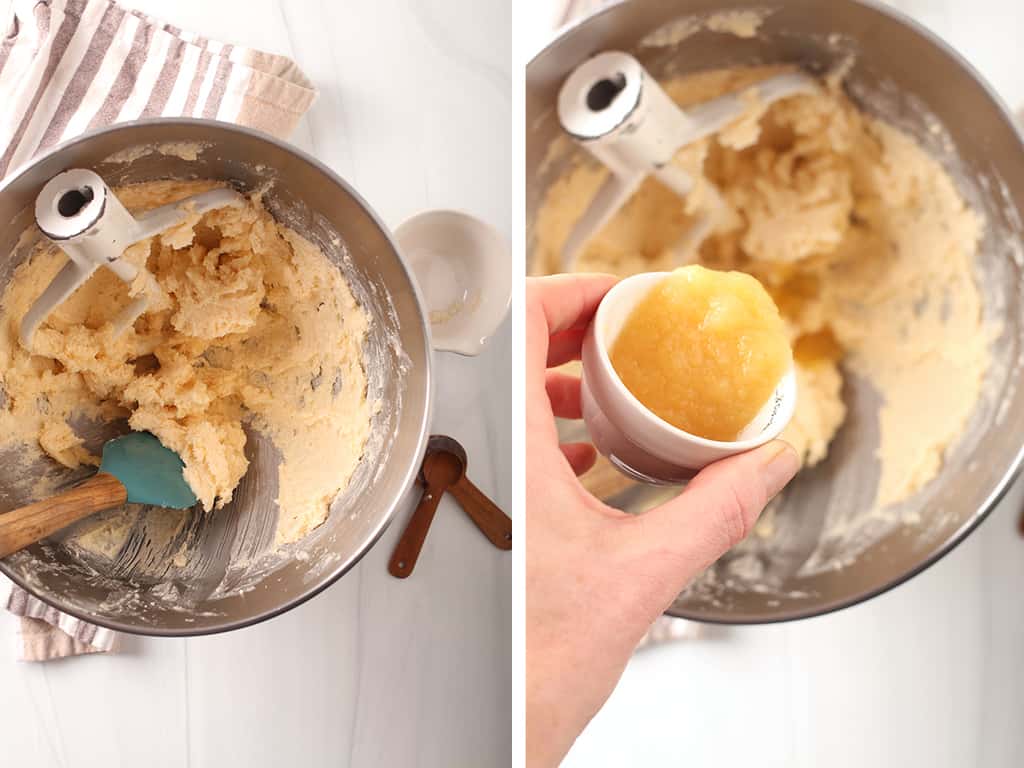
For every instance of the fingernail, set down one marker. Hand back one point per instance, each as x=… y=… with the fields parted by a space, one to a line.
x=780 y=467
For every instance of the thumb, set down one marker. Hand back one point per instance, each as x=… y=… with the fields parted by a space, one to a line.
x=721 y=504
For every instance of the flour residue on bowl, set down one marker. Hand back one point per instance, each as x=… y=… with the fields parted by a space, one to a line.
x=183 y=150
x=739 y=23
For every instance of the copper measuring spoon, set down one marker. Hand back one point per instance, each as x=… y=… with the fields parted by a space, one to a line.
x=444 y=469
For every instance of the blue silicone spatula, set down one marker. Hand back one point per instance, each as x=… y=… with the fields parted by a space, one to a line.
x=136 y=468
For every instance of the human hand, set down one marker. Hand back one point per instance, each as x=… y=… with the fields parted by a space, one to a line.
x=596 y=578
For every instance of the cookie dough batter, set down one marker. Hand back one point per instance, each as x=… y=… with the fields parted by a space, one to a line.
x=249 y=324
x=860 y=236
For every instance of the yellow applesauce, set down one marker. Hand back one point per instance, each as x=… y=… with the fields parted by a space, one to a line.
x=704 y=351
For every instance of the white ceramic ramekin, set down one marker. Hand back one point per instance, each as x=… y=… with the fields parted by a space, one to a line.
x=634 y=439
x=464 y=270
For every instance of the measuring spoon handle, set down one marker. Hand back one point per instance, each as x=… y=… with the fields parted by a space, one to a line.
x=492 y=522
x=407 y=552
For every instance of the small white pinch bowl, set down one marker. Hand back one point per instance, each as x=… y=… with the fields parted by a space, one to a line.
x=633 y=438
x=463 y=268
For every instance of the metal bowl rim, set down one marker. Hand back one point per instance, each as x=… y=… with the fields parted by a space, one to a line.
x=424 y=427
x=1013 y=469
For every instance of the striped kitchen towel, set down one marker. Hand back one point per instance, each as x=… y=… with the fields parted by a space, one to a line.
x=46 y=633
x=666 y=629
x=70 y=65
x=67 y=66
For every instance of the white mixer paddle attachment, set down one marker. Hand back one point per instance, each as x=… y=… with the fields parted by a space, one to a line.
x=615 y=110
x=77 y=212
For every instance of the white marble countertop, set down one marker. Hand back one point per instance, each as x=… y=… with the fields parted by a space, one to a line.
x=930 y=674
x=416 y=102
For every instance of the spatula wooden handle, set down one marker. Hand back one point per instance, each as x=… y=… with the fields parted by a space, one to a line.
x=21 y=527
x=492 y=522
x=407 y=552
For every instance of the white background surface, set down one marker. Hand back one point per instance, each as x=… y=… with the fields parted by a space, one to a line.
x=931 y=674
x=416 y=103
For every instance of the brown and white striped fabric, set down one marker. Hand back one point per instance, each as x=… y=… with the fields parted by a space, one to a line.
x=67 y=66
x=46 y=633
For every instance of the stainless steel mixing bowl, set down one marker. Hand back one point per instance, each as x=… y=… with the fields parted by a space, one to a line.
x=825 y=553
x=213 y=572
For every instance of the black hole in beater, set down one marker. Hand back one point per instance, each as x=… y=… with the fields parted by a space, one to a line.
x=73 y=201
x=603 y=92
